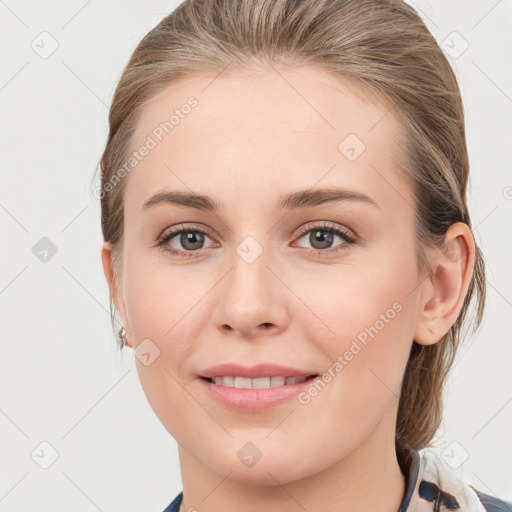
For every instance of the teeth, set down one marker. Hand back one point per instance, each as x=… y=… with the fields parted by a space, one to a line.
x=257 y=383
x=261 y=382
x=276 y=381
x=243 y=383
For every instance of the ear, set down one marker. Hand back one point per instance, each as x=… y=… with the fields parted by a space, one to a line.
x=443 y=291
x=115 y=291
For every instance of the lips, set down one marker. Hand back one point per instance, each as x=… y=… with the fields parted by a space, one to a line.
x=255 y=388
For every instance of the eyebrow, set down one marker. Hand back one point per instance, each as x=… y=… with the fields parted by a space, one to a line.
x=299 y=199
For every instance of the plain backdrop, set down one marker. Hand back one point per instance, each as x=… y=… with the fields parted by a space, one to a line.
x=77 y=433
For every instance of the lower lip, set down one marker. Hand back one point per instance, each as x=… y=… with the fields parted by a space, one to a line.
x=253 y=400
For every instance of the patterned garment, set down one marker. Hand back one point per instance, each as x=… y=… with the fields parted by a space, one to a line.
x=430 y=486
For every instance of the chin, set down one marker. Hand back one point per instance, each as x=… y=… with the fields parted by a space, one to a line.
x=272 y=468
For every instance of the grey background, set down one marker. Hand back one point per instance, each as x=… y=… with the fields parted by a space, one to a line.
x=62 y=381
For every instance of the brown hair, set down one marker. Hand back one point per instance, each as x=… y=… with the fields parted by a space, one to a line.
x=382 y=45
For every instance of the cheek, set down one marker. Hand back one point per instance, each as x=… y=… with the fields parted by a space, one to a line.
x=165 y=325
x=166 y=308
x=163 y=302
x=370 y=316
x=363 y=302
x=369 y=354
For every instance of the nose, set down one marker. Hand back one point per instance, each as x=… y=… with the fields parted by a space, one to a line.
x=251 y=299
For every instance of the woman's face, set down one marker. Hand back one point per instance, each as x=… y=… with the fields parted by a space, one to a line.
x=270 y=272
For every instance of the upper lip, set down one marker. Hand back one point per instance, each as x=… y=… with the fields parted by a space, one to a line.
x=259 y=370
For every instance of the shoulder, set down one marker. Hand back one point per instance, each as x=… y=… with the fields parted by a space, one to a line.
x=492 y=504
x=440 y=484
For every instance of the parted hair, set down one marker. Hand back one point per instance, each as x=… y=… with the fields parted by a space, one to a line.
x=386 y=49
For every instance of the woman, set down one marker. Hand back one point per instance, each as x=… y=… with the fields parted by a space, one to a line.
x=289 y=249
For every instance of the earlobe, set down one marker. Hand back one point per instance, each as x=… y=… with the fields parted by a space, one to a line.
x=442 y=293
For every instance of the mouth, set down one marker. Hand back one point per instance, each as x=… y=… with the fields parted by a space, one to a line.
x=254 y=394
x=256 y=388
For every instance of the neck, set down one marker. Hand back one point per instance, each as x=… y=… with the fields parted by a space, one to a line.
x=368 y=478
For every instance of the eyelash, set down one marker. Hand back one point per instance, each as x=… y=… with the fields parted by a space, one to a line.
x=348 y=239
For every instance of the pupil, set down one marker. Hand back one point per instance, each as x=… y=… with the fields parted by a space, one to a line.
x=195 y=239
x=319 y=236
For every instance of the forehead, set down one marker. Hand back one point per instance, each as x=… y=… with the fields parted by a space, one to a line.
x=297 y=98
x=245 y=131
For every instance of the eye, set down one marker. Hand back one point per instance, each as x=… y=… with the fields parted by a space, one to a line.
x=322 y=238
x=189 y=241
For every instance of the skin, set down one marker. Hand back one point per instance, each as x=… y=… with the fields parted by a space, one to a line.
x=250 y=139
